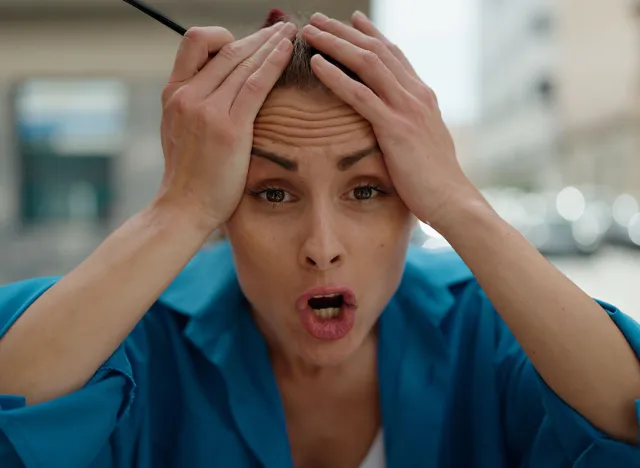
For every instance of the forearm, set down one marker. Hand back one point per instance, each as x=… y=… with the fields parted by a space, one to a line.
x=59 y=342
x=573 y=344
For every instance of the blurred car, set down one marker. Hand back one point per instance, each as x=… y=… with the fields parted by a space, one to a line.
x=572 y=221
x=625 y=226
x=568 y=222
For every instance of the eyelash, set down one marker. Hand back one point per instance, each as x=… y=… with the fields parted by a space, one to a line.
x=258 y=194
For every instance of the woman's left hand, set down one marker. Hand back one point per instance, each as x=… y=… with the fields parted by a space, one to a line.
x=418 y=149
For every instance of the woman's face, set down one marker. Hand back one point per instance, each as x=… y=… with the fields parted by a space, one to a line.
x=319 y=238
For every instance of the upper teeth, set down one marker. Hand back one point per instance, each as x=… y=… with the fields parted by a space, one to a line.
x=327 y=295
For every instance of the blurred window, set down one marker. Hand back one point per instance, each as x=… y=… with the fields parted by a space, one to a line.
x=545 y=91
x=68 y=133
x=541 y=23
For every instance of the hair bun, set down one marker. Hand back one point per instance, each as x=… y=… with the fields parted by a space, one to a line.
x=275 y=15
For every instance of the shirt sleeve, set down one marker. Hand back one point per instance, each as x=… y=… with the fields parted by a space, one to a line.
x=543 y=430
x=69 y=431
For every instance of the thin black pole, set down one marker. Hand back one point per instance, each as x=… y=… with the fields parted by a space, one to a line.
x=155 y=14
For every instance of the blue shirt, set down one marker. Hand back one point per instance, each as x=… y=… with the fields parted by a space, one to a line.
x=192 y=385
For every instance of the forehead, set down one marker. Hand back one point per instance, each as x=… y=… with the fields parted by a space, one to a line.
x=308 y=119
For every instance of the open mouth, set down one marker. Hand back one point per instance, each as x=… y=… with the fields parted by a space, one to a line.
x=326 y=307
x=327 y=312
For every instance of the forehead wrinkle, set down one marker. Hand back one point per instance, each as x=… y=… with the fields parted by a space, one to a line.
x=293 y=110
x=316 y=122
x=300 y=120
x=311 y=141
x=310 y=132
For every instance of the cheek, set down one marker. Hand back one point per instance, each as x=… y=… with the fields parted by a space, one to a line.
x=259 y=242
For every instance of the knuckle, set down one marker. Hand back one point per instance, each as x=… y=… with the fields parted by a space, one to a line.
x=230 y=52
x=224 y=35
x=194 y=33
x=254 y=84
x=362 y=93
x=248 y=65
x=393 y=47
x=369 y=58
x=167 y=94
x=376 y=45
x=429 y=95
x=179 y=102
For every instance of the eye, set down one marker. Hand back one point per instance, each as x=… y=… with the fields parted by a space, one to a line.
x=365 y=192
x=272 y=195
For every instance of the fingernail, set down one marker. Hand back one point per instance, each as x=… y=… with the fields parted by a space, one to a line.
x=290 y=28
x=319 y=17
x=359 y=14
x=311 y=30
x=283 y=45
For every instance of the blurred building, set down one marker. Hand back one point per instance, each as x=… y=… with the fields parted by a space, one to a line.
x=560 y=93
x=80 y=86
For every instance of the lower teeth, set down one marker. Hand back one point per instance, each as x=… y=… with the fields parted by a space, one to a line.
x=326 y=314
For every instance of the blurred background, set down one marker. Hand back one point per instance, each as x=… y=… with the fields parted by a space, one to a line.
x=542 y=98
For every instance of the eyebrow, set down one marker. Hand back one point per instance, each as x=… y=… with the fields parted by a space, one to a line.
x=345 y=162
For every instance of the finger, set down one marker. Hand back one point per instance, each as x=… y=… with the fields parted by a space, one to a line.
x=258 y=86
x=364 y=63
x=226 y=94
x=366 y=26
x=367 y=42
x=195 y=48
x=363 y=100
x=225 y=62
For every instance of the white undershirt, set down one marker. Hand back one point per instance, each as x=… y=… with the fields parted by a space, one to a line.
x=375 y=458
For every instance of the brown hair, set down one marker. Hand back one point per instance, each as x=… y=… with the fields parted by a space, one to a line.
x=298 y=73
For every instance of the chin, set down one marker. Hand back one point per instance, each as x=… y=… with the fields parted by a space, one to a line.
x=318 y=353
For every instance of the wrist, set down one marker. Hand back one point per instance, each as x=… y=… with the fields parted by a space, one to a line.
x=462 y=212
x=184 y=215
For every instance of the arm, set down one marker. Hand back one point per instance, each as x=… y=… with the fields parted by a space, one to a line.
x=56 y=345
x=571 y=341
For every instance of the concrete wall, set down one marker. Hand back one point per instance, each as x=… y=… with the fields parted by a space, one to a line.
x=599 y=70
x=517 y=130
x=590 y=132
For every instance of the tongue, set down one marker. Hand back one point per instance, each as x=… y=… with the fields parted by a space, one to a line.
x=325 y=302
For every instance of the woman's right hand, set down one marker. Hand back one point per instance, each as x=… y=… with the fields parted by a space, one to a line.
x=209 y=106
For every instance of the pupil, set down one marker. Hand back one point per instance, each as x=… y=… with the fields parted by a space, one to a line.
x=362 y=193
x=275 y=196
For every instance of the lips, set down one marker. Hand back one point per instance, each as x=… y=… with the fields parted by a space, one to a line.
x=327 y=313
x=348 y=297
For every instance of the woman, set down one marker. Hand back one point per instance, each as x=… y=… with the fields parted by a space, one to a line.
x=313 y=337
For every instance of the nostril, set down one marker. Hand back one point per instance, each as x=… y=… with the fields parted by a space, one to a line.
x=335 y=259
x=310 y=261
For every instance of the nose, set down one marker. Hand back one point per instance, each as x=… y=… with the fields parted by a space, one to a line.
x=321 y=249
